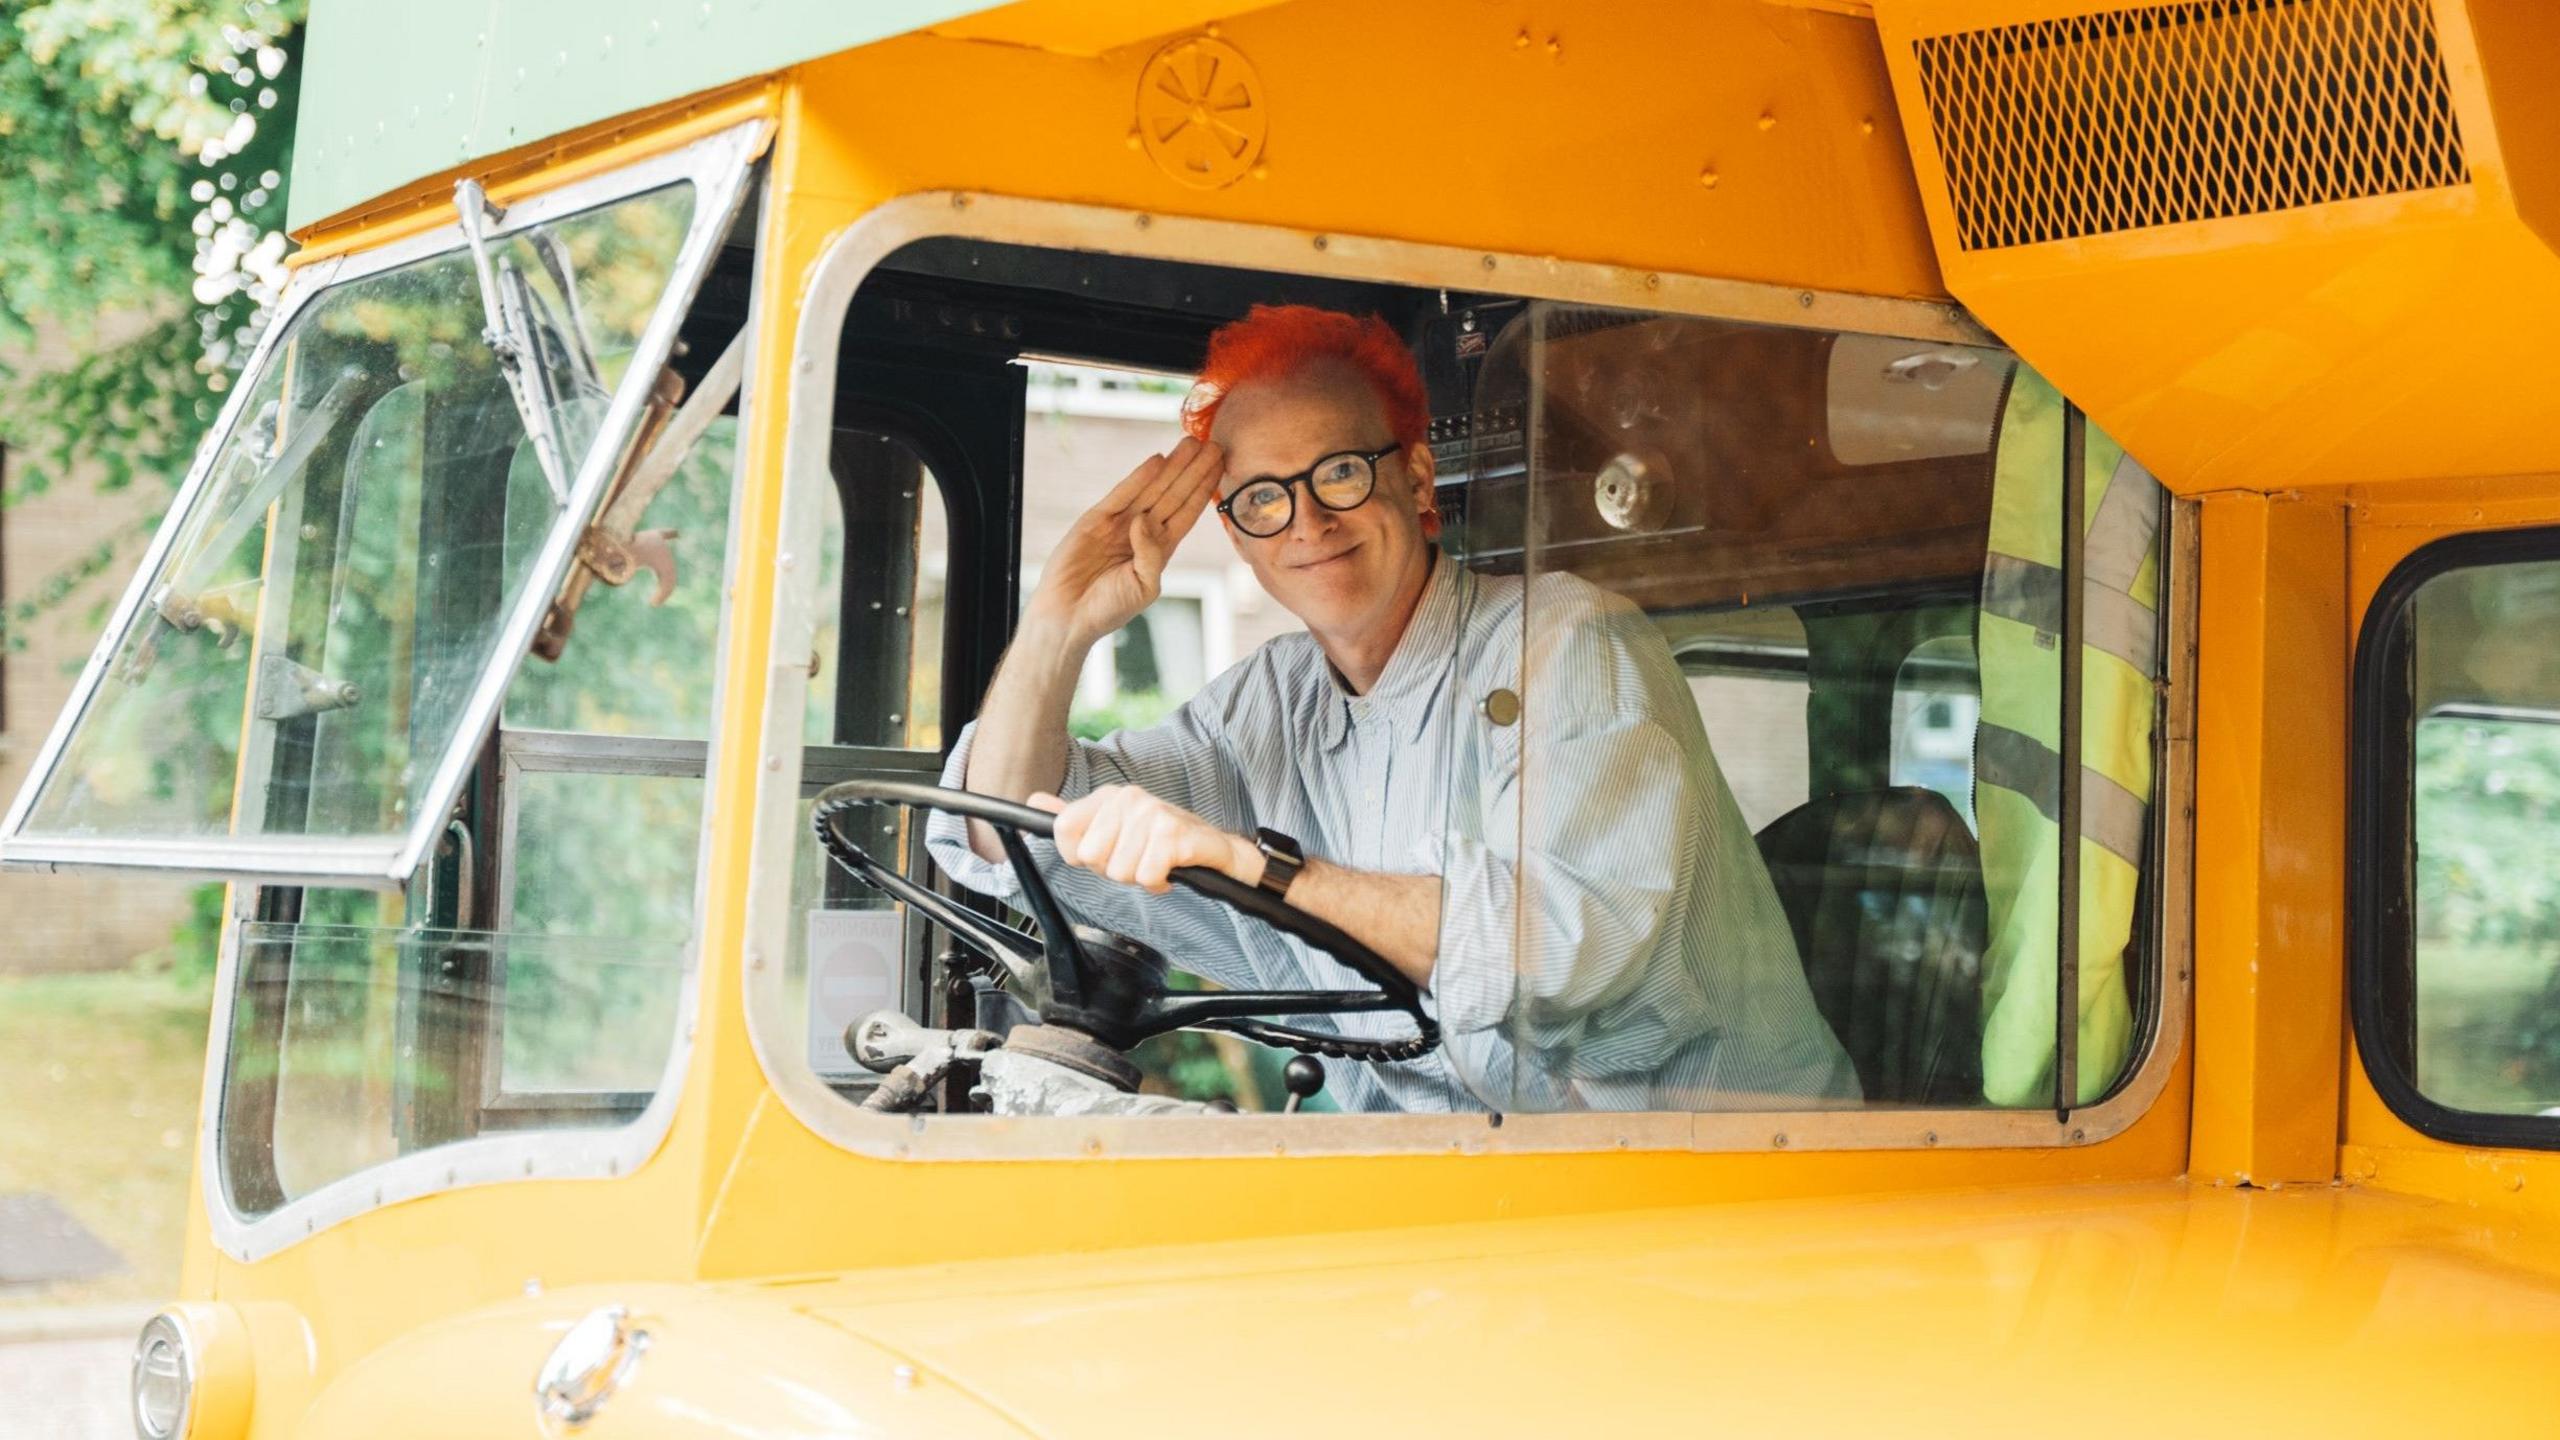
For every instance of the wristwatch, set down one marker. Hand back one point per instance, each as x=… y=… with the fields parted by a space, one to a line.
x=1282 y=859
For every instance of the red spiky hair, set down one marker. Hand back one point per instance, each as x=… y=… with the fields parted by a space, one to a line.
x=1273 y=341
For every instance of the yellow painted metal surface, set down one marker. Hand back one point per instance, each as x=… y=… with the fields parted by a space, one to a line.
x=2385 y=525
x=1581 y=130
x=2107 y=1310
x=1804 y=1292
x=2391 y=337
x=1517 y=136
x=727 y=1364
x=1088 y=28
x=2124 y=1310
x=2271 y=744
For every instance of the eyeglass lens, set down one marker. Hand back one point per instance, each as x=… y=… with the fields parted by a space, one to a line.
x=1265 y=507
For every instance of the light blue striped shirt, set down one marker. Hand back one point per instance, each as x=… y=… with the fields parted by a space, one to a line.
x=1631 y=955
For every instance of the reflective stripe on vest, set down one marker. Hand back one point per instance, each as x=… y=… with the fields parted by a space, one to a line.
x=2017 y=773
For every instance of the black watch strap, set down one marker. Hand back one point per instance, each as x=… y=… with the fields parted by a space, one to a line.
x=1282 y=859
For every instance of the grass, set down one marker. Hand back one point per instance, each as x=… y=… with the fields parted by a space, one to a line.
x=100 y=1077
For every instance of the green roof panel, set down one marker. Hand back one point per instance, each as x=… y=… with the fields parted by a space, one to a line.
x=394 y=91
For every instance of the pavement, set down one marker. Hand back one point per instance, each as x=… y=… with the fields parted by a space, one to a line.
x=63 y=1372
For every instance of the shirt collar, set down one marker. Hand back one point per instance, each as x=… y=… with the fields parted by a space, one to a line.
x=1416 y=673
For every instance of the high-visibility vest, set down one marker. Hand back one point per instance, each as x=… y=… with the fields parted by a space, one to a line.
x=2017 y=787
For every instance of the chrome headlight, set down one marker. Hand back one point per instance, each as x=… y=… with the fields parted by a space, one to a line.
x=164 y=1380
x=193 y=1374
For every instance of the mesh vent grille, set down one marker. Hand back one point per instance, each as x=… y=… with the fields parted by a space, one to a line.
x=2170 y=113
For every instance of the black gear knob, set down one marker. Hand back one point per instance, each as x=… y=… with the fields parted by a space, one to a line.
x=1304 y=1075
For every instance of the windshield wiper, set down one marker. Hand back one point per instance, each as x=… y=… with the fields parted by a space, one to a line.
x=177 y=600
x=506 y=302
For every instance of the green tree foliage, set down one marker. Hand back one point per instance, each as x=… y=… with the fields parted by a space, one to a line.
x=143 y=151
x=2488 y=913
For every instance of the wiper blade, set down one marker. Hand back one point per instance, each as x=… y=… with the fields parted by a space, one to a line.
x=506 y=303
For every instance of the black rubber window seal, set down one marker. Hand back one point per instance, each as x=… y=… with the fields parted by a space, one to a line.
x=2381 y=848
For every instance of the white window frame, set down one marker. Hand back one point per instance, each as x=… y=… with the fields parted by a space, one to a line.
x=825 y=301
x=717 y=165
x=721 y=165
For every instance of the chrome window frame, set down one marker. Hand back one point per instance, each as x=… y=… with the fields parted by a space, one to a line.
x=718 y=166
x=506 y=1156
x=850 y=258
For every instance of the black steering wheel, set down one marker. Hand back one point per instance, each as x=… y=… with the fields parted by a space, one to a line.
x=1109 y=986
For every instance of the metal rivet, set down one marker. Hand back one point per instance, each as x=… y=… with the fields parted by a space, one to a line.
x=1321 y=242
x=1805 y=298
x=1488 y=262
x=1779 y=1140
x=1145 y=220
x=1928 y=1137
x=2078 y=1135
x=905 y=1375
x=1502 y=707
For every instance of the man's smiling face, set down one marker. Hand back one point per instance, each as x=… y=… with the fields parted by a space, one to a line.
x=1345 y=573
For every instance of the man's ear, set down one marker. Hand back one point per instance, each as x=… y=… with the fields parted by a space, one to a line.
x=1425 y=479
x=1417 y=458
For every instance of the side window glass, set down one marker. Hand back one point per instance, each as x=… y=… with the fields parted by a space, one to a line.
x=2460 y=973
x=530 y=978
x=874 y=712
x=1748 y=674
x=1937 y=707
x=1837 y=797
x=2486 y=798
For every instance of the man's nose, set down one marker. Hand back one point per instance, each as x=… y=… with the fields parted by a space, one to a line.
x=1311 y=521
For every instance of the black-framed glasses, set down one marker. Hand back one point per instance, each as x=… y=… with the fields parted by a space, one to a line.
x=1263 y=508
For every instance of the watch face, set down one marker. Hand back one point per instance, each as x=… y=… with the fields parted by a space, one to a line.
x=1281 y=859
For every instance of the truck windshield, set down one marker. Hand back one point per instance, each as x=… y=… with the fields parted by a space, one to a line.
x=364 y=540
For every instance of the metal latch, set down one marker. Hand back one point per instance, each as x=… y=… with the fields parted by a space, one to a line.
x=614 y=548
x=289 y=691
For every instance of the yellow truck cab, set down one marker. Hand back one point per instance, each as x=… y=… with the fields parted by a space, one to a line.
x=2093 y=466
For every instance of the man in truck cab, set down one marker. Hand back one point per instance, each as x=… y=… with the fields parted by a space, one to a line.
x=1617 y=945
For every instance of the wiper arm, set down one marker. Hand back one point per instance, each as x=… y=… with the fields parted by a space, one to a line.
x=177 y=599
x=506 y=304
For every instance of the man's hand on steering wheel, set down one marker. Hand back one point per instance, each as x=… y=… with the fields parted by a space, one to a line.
x=1123 y=833
x=1110 y=987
